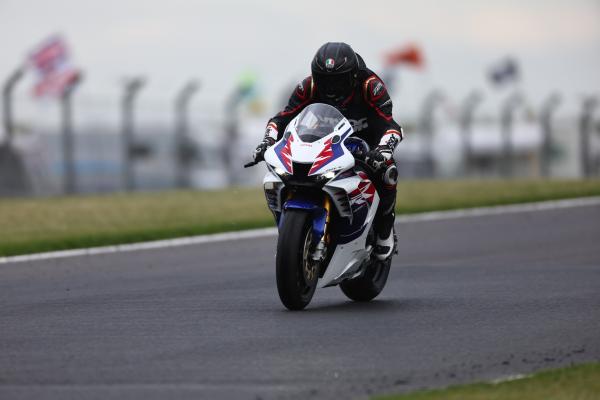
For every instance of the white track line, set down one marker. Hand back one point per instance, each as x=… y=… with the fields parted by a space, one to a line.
x=509 y=378
x=266 y=232
x=498 y=210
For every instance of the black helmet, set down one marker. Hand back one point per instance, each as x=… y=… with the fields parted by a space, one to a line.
x=335 y=71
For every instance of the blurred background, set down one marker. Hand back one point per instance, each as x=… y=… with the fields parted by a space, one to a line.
x=147 y=95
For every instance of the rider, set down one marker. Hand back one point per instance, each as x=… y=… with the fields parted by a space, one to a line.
x=340 y=78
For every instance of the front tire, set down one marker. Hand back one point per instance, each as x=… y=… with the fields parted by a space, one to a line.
x=296 y=280
x=368 y=286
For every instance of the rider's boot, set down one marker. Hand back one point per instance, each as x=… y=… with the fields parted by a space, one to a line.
x=385 y=245
x=385 y=218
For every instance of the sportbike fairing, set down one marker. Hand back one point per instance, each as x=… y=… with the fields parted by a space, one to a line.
x=313 y=143
x=314 y=137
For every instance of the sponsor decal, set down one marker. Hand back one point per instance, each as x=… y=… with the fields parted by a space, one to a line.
x=359 y=124
x=328 y=120
x=271 y=131
x=329 y=63
x=388 y=102
x=377 y=88
x=391 y=138
x=392 y=141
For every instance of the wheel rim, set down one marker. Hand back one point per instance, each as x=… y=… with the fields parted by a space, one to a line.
x=308 y=275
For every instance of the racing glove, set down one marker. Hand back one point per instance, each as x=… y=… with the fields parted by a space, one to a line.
x=379 y=158
x=270 y=138
x=259 y=153
x=383 y=155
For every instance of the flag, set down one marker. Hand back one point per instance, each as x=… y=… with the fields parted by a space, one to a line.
x=55 y=73
x=409 y=55
x=503 y=72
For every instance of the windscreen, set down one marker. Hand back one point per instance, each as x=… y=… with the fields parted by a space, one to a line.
x=317 y=121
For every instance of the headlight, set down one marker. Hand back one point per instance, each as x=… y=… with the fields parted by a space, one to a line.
x=282 y=173
x=326 y=176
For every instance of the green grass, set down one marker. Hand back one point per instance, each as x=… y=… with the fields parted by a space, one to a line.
x=44 y=224
x=581 y=382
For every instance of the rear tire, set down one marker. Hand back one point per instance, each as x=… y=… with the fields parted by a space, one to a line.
x=295 y=285
x=370 y=284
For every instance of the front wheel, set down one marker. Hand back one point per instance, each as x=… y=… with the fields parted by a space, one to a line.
x=368 y=286
x=296 y=273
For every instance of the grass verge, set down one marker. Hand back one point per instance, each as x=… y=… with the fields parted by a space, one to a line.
x=46 y=224
x=580 y=382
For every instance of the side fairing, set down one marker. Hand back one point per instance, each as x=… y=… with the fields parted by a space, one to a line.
x=273 y=187
x=357 y=194
x=355 y=197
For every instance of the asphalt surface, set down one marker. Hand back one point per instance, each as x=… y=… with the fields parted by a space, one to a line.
x=467 y=299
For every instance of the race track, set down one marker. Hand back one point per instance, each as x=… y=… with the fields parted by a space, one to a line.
x=475 y=298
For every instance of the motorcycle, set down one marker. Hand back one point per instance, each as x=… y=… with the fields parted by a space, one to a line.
x=324 y=203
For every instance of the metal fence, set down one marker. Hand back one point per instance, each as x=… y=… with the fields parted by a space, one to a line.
x=134 y=145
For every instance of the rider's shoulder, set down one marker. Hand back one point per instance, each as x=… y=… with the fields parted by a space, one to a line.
x=304 y=89
x=372 y=85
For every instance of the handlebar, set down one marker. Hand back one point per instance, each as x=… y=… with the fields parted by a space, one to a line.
x=363 y=164
x=251 y=164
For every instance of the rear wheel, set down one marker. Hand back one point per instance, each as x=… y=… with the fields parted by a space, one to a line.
x=296 y=272
x=368 y=286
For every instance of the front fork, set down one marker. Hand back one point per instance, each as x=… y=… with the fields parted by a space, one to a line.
x=321 y=244
x=321 y=216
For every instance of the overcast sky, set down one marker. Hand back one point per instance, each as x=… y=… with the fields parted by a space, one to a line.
x=556 y=42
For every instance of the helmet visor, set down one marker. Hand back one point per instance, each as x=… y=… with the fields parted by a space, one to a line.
x=334 y=86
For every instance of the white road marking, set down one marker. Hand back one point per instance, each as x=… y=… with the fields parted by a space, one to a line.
x=508 y=378
x=498 y=210
x=266 y=232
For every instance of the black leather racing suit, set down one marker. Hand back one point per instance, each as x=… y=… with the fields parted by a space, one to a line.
x=369 y=110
